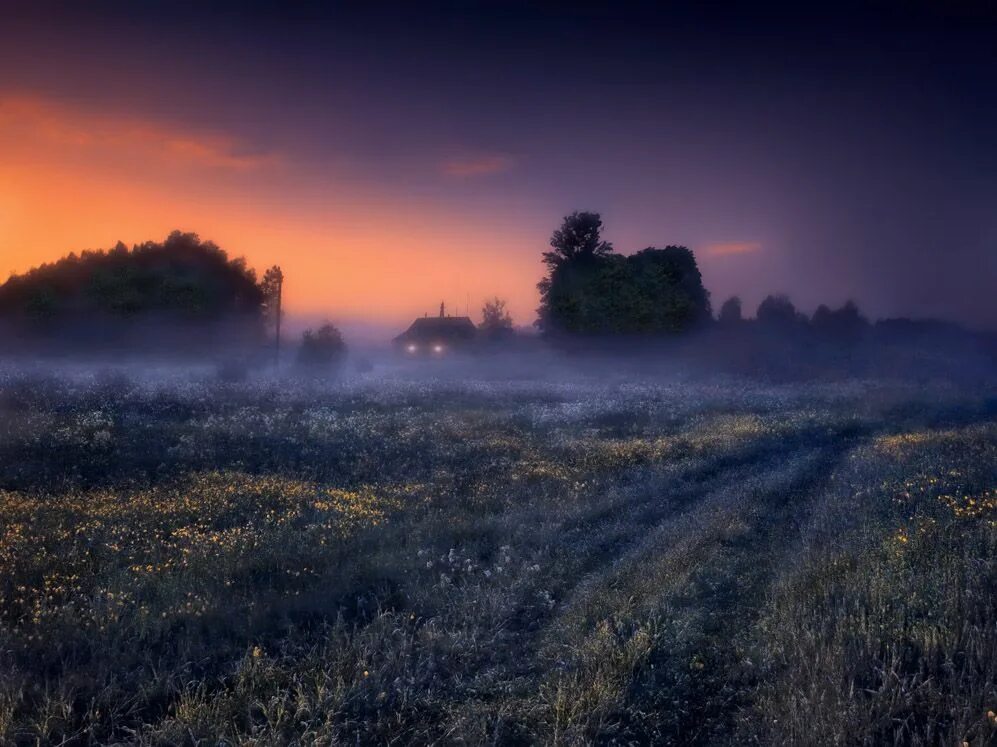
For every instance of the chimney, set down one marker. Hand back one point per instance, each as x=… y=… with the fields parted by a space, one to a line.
x=441 y=309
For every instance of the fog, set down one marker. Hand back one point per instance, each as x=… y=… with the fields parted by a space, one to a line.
x=902 y=351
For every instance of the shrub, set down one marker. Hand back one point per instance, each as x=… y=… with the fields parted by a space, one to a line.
x=730 y=312
x=323 y=348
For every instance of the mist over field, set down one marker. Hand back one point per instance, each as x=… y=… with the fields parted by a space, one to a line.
x=537 y=548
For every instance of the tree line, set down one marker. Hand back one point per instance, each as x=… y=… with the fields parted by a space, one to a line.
x=589 y=290
x=181 y=275
x=180 y=294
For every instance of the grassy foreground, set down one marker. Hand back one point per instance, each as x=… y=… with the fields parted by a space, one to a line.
x=187 y=562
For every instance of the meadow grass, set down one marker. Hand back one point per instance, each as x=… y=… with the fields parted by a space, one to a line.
x=186 y=561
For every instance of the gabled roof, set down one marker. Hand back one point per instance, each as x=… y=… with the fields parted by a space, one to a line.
x=441 y=328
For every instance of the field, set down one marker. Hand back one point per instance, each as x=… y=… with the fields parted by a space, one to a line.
x=416 y=560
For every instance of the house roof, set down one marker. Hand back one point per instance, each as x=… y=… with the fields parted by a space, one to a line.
x=429 y=328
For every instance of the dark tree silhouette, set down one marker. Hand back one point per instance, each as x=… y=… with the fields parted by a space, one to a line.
x=578 y=238
x=777 y=310
x=271 y=284
x=573 y=266
x=272 y=287
x=495 y=318
x=323 y=349
x=590 y=290
x=670 y=288
x=730 y=312
x=182 y=295
x=182 y=275
x=841 y=325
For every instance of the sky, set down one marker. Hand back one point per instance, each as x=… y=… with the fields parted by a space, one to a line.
x=390 y=156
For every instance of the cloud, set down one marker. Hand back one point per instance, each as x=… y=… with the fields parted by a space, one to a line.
x=31 y=123
x=482 y=165
x=218 y=152
x=730 y=248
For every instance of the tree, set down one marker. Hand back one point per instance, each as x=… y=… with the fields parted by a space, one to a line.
x=670 y=288
x=183 y=276
x=323 y=349
x=843 y=325
x=776 y=310
x=272 y=287
x=42 y=304
x=182 y=294
x=730 y=312
x=579 y=238
x=495 y=318
x=578 y=254
x=591 y=290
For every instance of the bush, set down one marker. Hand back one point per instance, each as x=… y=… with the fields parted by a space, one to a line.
x=321 y=349
x=730 y=312
x=776 y=311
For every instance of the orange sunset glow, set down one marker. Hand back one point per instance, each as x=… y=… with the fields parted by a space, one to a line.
x=74 y=179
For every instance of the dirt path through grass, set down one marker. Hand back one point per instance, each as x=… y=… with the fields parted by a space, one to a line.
x=683 y=598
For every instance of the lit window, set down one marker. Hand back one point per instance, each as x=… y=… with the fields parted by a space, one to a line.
x=437 y=348
x=412 y=348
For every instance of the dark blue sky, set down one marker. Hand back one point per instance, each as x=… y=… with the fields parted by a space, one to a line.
x=828 y=154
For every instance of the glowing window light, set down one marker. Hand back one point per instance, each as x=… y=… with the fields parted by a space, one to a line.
x=437 y=348
x=412 y=347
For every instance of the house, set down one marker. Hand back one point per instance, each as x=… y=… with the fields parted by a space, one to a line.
x=437 y=335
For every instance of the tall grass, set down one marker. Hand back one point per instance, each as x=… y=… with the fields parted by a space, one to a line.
x=187 y=562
